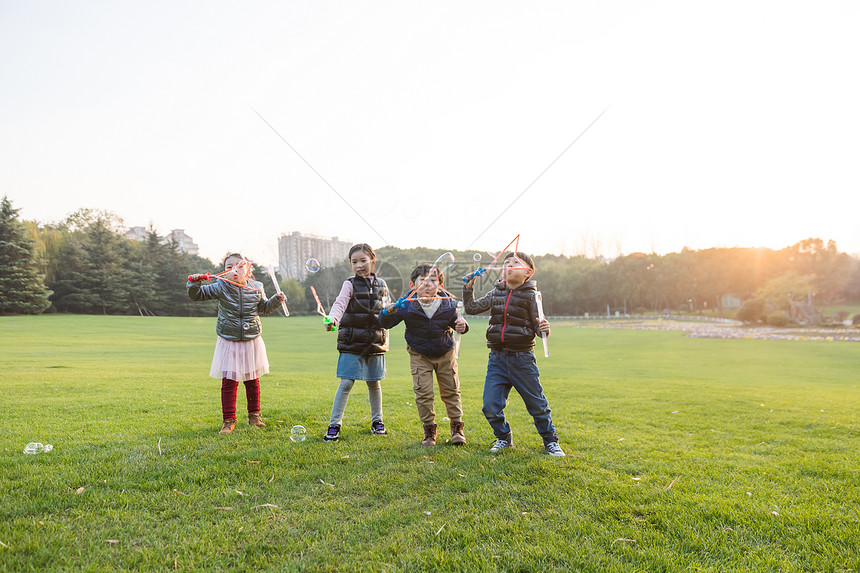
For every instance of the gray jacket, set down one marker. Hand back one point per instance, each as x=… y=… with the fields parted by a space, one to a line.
x=239 y=309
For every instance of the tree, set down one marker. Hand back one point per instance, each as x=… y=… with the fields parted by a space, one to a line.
x=22 y=286
x=295 y=293
x=779 y=292
x=94 y=274
x=753 y=311
x=147 y=259
x=327 y=283
x=172 y=276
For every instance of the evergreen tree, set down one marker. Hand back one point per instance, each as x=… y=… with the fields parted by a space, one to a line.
x=146 y=262
x=94 y=274
x=172 y=276
x=22 y=286
x=74 y=285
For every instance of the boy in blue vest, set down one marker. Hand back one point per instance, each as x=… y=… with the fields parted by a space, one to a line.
x=511 y=335
x=430 y=325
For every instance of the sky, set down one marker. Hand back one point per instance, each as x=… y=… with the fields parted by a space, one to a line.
x=588 y=128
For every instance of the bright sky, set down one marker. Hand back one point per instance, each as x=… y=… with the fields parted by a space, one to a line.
x=726 y=123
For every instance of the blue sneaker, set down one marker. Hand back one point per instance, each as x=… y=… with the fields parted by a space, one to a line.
x=378 y=428
x=333 y=434
x=553 y=449
x=499 y=446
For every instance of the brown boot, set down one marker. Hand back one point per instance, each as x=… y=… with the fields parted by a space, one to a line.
x=429 y=435
x=457 y=437
x=229 y=426
x=254 y=419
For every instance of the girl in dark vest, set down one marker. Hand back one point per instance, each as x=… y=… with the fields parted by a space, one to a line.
x=361 y=341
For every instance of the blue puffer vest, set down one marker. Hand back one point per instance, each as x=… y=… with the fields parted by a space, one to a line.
x=428 y=336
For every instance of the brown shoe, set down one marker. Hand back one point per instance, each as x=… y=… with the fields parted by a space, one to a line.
x=229 y=426
x=254 y=419
x=429 y=435
x=457 y=437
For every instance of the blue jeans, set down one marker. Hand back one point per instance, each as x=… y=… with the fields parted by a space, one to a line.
x=518 y=370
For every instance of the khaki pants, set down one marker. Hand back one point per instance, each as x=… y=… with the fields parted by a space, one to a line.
x=445 y=367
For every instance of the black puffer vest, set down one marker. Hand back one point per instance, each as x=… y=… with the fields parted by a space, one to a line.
x=358 y=331
x=513 y=318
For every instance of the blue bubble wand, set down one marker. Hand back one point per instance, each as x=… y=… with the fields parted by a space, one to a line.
x=442 y=264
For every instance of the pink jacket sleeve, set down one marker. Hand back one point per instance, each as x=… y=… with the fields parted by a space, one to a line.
x=339 y=306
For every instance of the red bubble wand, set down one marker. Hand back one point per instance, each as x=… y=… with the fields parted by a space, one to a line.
x=321 y=310
x=219 y=276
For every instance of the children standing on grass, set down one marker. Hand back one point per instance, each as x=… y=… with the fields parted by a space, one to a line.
x=240 y=353
x=430 y=324
x=511 y=337
x=362 y=343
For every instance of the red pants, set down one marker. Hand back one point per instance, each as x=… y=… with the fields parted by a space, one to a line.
x=228 y=396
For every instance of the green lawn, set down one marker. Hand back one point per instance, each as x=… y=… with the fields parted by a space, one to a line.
x=850 y=308
x=684 y=455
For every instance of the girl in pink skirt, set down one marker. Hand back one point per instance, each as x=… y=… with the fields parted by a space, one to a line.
x=240 y=353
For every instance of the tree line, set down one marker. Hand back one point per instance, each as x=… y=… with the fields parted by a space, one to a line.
x=86 y=264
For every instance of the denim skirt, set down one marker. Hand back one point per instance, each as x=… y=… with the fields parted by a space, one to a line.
x=358 y=367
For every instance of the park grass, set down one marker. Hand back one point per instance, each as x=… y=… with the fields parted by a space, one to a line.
x=684 y=454
x=852 y=308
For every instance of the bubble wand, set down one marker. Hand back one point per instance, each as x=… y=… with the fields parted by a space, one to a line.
x=480 y=271
x=321 y=311
x=210 y=276
x=541 y=318
x=442 y=264
x=278 y=288
x=457 y=334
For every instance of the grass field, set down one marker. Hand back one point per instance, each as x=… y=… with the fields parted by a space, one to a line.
x=684 y=455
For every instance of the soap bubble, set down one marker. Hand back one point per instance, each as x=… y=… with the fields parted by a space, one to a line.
x=313 y=266
x=298 y=433
x=37 y=448
x=476 y=257
x=410 y=209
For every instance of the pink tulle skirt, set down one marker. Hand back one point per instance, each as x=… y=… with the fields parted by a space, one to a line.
x=239 y=360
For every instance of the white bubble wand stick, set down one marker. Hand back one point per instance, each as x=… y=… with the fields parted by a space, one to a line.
x=457 y=334
x=278 y=288
x=541 y=318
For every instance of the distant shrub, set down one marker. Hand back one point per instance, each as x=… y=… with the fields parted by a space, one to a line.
x=752 y=311
x=778 y=318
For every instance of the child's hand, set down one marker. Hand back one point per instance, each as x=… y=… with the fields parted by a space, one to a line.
x=330 y=325
x=544 y=326
x=470 y=284
x=196 y=278
x=282 y=298
x=460 y=325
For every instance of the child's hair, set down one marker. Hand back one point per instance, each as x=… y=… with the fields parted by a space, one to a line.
x=423 y=271
x=524 y=258
x=241 y=258
x=362 y=247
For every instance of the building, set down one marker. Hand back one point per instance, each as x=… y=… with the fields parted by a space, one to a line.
x=184 y=243
x=136 y=233
x=295 y=250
